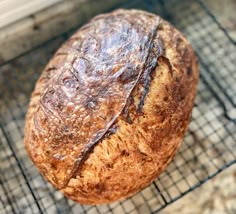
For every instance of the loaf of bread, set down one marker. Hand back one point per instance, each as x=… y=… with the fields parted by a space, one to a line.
x=112 y=106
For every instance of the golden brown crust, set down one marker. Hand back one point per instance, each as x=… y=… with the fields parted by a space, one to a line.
x=141 y=147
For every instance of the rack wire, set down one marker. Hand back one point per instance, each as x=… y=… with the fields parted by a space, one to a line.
x=208 y=148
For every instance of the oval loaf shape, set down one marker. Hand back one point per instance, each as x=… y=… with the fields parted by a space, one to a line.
x=112 y=106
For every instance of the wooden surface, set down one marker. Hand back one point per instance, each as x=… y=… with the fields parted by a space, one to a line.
x=14 y=10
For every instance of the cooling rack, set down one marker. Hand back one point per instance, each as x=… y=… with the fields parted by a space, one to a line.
x=208 y=148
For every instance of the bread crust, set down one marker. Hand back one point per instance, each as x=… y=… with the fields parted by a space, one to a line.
x=137 y=140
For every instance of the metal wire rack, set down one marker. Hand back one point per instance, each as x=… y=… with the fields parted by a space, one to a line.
x=208 y=148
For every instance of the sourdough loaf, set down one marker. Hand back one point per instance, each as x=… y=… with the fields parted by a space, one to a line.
x=112 y=106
